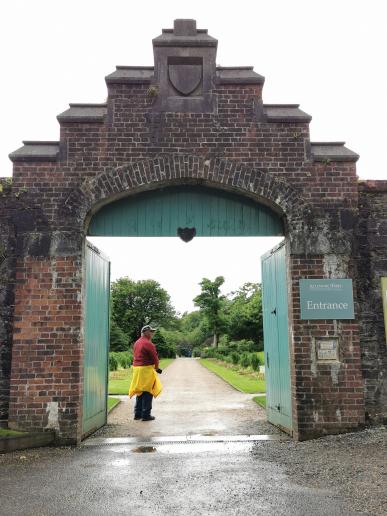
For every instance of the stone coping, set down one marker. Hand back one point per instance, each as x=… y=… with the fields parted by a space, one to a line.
x=92 y=113
x=287 y=113
x=332 y=151
x=36 y=151
x=145 y=75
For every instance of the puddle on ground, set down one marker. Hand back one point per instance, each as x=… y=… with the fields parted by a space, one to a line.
x=144 y=449
x=187 y=448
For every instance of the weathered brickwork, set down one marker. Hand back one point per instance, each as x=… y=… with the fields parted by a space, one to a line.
x=7 y=284
x=372 y=241
x=225 y=137
x=46 y=365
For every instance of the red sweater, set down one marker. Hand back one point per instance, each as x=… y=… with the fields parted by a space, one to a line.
x=144 y=353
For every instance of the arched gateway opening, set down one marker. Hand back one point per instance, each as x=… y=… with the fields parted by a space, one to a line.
x=190 y=146
x=186 y=212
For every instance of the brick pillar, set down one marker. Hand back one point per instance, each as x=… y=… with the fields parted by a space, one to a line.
x=46 y=374
x=327 y=397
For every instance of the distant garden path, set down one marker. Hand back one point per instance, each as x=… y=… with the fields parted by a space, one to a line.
x=194 y=401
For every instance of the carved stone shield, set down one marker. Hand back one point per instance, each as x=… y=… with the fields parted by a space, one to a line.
x=185 y=78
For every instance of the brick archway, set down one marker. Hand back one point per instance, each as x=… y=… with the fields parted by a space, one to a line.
x=224 y=137
x=169 y=170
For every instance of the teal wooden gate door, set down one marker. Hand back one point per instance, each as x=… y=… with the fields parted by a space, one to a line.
x=96 y=340
x=276 y=338
x=161 y=212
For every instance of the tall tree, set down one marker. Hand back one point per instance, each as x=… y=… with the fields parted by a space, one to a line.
x=244 y=314
x=211 y=302
x=136 y=303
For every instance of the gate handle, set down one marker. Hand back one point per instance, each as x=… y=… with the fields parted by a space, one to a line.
x=267 y=359
x=274 y=311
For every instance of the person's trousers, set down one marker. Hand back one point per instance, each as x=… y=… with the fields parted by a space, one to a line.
x=143 y=405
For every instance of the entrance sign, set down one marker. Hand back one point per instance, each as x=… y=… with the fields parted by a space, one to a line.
x=384 y=297
x=326 y=299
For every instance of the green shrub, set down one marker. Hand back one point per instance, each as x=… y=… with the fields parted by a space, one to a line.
x=244 y=360
x=113 y=362
x=118 y=338
x=164 y=348
x=196 y=352
x=254 y=360
x=124 y=359
x=245 y=346
x=234 y=357
x=208 y=352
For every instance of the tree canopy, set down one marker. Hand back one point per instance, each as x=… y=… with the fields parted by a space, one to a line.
x=211 y=303
x=136 y=303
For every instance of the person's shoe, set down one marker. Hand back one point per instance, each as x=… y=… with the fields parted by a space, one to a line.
x=137 y=417
x=148 y=418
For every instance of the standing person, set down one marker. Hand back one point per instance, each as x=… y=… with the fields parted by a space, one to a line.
x=145 y=381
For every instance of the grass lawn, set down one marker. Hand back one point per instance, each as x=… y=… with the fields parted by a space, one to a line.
x=112 y=402
x=239 y=381
x=6 y=432
x=119 y=380
x=260 y=400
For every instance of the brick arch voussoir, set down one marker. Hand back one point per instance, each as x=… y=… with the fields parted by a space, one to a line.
x=147 y=174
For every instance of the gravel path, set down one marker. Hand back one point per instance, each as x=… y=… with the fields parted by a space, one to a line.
x=353 y=466
x=194 y=401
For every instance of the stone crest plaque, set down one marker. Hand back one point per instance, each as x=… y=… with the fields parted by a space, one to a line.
x=185 y=78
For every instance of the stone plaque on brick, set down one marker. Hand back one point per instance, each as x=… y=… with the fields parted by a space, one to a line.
x=326 y=299
x=327 y=349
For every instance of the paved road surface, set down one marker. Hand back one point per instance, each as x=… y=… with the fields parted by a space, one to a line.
x=194 y=401
x=183 y=480
x=161 y=478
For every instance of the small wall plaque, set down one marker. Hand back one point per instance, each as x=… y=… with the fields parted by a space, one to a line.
x=327 y=349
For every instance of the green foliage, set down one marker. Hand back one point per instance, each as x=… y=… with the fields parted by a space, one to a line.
x=125 y=359
x=244 y=315
x=211 y=303
x=118 y=338
x=234 y=357
x=194 y=329
x=241 y=382
x=244 y=360
x=254 y=360
x=260 y=400
x=136 y=303
x=113 y=362
x=112 y=402
x=164 y=348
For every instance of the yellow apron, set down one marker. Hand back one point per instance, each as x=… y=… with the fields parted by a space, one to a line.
x=144 y=379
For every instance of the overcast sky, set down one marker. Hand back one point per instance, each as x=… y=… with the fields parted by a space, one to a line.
x=329 y=56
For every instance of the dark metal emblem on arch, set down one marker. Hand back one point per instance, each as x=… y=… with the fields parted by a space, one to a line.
x=186 y=234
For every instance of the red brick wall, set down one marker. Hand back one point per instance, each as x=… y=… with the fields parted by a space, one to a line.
x=47 y=353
